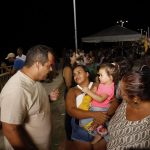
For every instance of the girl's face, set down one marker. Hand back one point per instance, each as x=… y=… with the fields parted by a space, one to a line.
x=103 y=76
x=80 y=75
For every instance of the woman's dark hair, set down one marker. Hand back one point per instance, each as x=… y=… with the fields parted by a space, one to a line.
x=124 y=67
x=85 y=69
x=67 y=61
x=82 y=66
x=137 y=84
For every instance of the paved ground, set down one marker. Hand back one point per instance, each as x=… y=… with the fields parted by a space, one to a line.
x=58 y=109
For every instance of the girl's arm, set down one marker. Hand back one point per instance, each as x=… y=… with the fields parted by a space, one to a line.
x=78 y=113
x=99 y=98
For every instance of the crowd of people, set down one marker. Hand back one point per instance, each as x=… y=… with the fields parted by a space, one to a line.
x=123 y=122
x=106 y=101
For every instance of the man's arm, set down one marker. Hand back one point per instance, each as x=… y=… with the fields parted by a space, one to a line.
x=7 y=69
x=17 y=137
x=13 y=71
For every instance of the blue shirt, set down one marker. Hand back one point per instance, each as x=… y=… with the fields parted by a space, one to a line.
x=18 y=64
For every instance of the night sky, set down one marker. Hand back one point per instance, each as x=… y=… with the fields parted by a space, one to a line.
x=52 y=22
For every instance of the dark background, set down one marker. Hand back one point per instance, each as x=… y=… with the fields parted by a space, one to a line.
x=24 y=24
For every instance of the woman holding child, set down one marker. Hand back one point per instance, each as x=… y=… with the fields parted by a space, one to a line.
x=129 y=128
x=81 y=138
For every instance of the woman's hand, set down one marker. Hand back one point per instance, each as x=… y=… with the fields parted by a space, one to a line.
x=100 y=117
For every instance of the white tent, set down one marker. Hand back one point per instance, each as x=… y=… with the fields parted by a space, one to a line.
x=113 y=34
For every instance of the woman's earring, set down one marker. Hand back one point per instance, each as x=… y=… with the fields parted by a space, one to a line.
x=135 y=102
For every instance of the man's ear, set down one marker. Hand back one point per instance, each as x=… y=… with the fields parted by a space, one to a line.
x=37 y=65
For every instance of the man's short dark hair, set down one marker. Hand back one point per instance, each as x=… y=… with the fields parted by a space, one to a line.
x=38 y=53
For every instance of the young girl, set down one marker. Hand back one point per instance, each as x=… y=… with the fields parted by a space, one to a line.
x=101 y=99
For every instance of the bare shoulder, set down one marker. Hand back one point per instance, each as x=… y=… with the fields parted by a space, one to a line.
x=71 y=97
x=67 y=70
x=74 y=91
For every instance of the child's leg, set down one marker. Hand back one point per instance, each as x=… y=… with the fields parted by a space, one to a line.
x=102 y=130
x=97 y=138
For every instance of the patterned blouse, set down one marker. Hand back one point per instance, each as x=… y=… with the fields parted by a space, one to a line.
x=126 y=134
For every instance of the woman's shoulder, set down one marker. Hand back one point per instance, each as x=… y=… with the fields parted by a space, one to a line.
x=67 y=69
x=75 y=90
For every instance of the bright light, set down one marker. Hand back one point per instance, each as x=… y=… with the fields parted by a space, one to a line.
x=122 y=22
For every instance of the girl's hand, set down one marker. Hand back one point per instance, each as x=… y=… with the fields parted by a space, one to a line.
x=85 y=89
x=94 y=89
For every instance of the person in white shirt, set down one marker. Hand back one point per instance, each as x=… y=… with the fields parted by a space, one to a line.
x=20 y=54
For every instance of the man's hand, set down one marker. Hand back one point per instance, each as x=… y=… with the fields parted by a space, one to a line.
x=54 y=94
